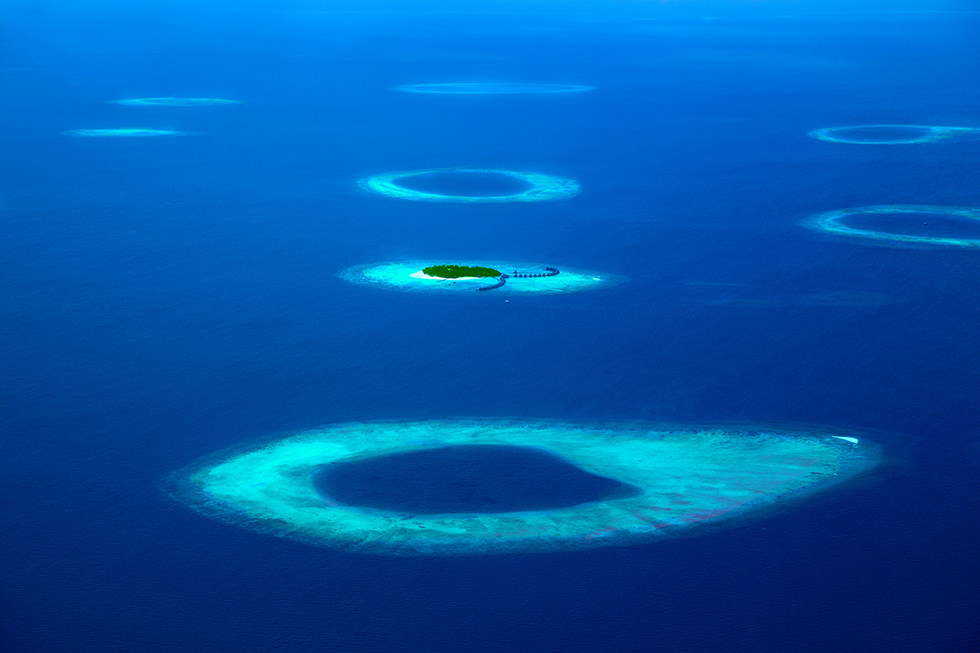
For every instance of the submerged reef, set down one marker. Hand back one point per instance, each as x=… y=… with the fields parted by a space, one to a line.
x=511 y=278
x=892 y=134
x=535 y=187
x=126 y=132
x=173 y=102
x=678 y=479
x=836 y=222
x=493 y=88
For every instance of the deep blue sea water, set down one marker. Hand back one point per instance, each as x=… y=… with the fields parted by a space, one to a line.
x=164 y=298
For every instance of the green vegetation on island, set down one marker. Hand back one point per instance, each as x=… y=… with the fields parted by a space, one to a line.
x=457 y=271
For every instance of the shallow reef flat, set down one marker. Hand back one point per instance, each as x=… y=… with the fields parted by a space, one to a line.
x=684 y=478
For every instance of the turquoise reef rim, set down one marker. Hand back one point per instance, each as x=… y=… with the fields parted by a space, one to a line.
x=688 y=477
x=173 y=102
x=834 y=222
x=493 y=88
x=541 y=187
x=126 y=132
x=916 y=134
x=408 y=276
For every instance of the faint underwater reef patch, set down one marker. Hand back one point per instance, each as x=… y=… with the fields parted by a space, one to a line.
x=174 y=102
x=493 y=88
x=893 y=134
x=125 y=132
x=722 y=293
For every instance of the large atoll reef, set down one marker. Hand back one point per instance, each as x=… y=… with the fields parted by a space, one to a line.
x=125 y=132
x=493 y=88
x=837 y=223
x=892 y=134
x=680 y=479
x=535 y=187
x=512 y=277
x=173 y=102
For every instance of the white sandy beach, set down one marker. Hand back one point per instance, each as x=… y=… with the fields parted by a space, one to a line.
x=423 y=275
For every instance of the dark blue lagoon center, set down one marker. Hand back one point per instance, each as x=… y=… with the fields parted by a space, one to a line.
x=469 y=183
x=465 y=479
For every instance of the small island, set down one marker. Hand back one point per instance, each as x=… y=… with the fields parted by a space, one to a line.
x=478 y=275
x=459 y=271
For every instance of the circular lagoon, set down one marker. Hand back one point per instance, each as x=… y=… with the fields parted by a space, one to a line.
x=891 y=134
x=173 y=102
x=460 y=487
x=504 y=277
x=471 y=185
x=493 y=88
x=904 y=225
x=472 y=478
x=128 y=132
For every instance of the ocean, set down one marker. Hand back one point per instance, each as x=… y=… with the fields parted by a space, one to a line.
x=172 y=296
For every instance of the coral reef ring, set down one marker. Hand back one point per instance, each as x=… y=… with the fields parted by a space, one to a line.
x=685 y=477
x=890 y=134
x=540 y=187
x=834 y=222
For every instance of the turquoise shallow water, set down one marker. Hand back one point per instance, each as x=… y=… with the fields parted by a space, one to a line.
x=682 y=478
x=522 y=278
x=166 y=298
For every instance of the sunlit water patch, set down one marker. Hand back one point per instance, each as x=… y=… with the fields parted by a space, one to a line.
x=546 y=486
